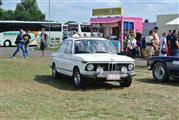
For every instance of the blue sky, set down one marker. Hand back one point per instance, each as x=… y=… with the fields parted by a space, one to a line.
x=81 y=10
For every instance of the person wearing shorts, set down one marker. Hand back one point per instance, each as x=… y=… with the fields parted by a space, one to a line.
x=149 y=44
x=43 y=41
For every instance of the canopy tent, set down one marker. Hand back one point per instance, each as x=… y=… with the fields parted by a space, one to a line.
x=104 y=20
x=174 y=22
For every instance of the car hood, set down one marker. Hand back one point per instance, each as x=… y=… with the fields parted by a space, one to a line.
x=104 y=57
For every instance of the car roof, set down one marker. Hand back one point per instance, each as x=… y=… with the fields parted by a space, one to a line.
x=86 y=38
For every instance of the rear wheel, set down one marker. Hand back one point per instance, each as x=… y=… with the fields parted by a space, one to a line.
x=78 y=79
x=7 y=43
x=159 y=72
x=126 y=82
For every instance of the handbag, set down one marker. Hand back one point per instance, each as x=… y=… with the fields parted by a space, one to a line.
x=163 y=50
x=17 y=42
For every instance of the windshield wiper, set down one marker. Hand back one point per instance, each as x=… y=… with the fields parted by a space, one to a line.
x=82 y=52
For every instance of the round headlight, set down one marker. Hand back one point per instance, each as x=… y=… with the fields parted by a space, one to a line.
x=124 y=70
x=131 y=67
x=99 y=71
x=90 y=67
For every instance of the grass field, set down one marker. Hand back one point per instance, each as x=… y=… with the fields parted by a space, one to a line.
x=29 y=92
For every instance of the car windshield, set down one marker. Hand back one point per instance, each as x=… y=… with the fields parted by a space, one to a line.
x=94 y=46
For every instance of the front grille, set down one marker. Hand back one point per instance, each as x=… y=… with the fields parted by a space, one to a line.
x=115 y=67
x=112 y=67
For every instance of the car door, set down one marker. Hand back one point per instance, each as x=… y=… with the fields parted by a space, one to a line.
x=173 y=66
x=67 y=56
x=59 y=58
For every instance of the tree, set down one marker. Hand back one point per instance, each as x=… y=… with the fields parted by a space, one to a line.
x=1 y=14
x=70 y=22
x=21 y=14
x=8 y=15
x=28 y=10
x=1 y=10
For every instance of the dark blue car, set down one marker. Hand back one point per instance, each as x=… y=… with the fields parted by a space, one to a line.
x=164 y=67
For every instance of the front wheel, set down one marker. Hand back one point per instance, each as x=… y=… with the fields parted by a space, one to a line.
x=126 y=82
x=78 y=79
x=159 y=72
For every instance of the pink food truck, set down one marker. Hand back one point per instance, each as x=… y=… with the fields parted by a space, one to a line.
x=116 y=27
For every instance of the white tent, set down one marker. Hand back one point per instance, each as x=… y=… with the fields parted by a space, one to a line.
x=174 y=22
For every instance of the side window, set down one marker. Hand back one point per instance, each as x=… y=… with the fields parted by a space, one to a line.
x=85 y=28
x=68 y=48
x=62 y=47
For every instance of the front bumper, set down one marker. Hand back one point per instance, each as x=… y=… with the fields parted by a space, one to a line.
x=104 y=75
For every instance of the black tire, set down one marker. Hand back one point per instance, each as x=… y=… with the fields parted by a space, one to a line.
x=7 y=43
x=126 y=82
x=78 y=79
x=55 y=74
x=159 y=72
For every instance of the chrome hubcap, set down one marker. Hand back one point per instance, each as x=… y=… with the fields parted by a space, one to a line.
x=7 y=43
x=159 y=72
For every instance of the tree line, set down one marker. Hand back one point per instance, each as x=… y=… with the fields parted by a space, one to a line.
x=26 y=10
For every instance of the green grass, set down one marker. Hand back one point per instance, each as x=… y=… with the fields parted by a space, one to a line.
x=29 y=92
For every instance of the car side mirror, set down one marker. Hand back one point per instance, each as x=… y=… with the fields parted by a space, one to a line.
x=120 y=53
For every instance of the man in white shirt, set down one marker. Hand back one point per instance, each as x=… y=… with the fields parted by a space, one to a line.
x=163 y=45
x=149 y=44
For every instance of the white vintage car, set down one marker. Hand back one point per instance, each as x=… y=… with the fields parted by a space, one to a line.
x=94 y=58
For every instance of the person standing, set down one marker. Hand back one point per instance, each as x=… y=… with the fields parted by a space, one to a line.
x=149 y=44
x=169 y=37
x=125 y=45
x=43 y=41
x=143 y=47
x=177 y=45
x=173 y=42
x=132 y=46
x=139 y=43
x=156 y=43
x=27 y=39
x=163 y=45
x=20 y=44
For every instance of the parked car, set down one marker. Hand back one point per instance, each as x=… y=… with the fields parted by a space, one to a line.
x=94 y=58
x=164 y=67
